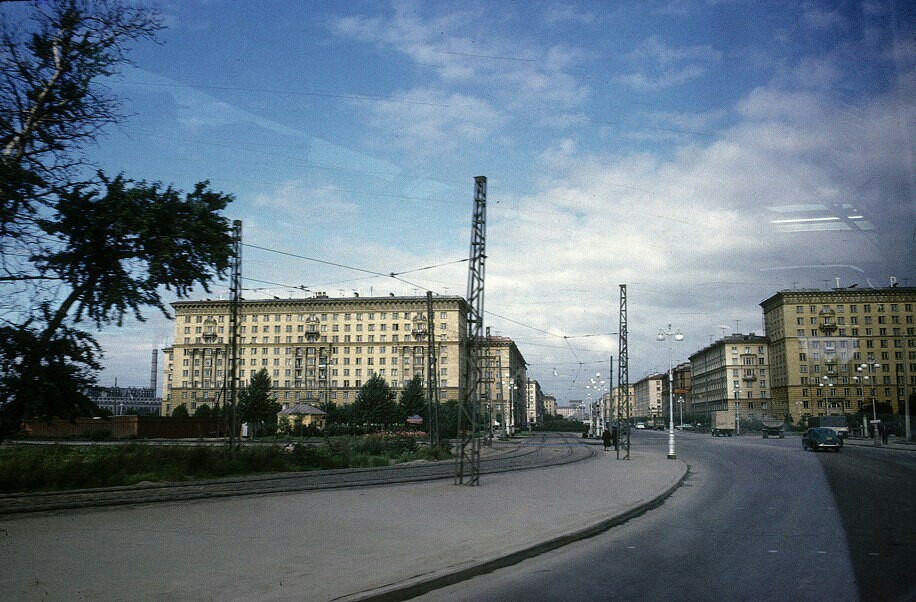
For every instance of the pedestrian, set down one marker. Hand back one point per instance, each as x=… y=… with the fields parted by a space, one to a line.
x=606 y=438
x=615 y=433
x=883 y=430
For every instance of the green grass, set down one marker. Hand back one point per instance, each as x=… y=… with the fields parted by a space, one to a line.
x=59 y=467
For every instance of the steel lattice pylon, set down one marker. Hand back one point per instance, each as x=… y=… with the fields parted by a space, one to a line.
x=623 y=381
x=467 y=461
x=432 y=373
x=235 y=301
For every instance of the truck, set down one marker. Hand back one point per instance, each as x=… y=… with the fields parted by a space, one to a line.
x=723 y=423
x=773 y=427
x=837 y=423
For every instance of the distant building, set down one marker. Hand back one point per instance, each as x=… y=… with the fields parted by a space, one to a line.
x=550 y=405
x=535 y=403
x=820 y=339
x=647 y=393
x=729 y=371
x=120 y=400
x=315 y=350
x=574 y=411
x=504 y=383
x=617 y=399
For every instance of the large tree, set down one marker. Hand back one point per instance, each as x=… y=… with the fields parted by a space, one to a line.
x=375 y=403
x=78 y=246
x=412 y=400
x=257 y=404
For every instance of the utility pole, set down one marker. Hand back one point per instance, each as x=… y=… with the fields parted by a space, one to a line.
x=432 y=374
x=235 y=302
x=623 y=378
x=468 y=458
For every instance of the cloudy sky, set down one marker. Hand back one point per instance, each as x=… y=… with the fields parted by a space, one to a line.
x=706 y=153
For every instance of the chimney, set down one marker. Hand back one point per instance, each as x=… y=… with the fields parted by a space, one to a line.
x=152 y=374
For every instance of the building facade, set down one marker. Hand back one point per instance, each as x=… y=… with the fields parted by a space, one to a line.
x=647 y=396
x=733 y=370
x=504 y=383
x=535 y=403
x=315 y=350
x=681 y=398
x=616 y=399
x=550 y=405
x=836 y=351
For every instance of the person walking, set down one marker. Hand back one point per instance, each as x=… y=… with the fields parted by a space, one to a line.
x=606 y=438
x=883 y=430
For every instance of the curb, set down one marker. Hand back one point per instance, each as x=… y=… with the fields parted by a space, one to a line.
x=424 y=586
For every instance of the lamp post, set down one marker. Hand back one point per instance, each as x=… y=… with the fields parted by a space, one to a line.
x=737 y=410
x=871 y=366
x=680 y=403
x=662 y=336
x=825 y=381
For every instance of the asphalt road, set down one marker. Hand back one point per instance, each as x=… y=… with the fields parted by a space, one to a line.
x=756 y=519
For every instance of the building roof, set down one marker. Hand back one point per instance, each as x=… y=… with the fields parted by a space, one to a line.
x=734 y=338
x=302 y=409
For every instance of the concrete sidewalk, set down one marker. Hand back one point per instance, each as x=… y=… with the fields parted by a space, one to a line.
x=349 y=544
x=898 y=443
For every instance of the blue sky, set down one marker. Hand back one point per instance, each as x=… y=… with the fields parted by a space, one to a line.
x=708 y=154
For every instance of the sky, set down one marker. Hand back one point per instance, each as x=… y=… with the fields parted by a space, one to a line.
x=706 y=154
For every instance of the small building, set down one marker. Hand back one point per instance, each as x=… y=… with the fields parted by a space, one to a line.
x=301 y=414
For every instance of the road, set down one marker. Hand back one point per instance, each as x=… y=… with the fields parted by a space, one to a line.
x=756 y=519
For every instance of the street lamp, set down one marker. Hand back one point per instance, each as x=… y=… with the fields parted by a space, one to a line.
x=871 y=366
x=662 y=336
x=680 y=403
x=737 y=410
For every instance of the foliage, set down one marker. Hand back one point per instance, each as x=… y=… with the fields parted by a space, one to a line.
x=203 y=411
x=257 y=405
x=180 y=411
x=75 y=247
x=561 y=424
x=413 y=400
x=52 y=467
x=374 y=404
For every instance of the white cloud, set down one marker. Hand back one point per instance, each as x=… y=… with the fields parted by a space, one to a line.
x=662 y=66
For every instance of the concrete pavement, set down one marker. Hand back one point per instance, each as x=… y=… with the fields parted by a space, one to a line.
x=387 y=542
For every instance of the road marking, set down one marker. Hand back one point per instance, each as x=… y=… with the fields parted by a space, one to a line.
x=821 y=552
x=873 y=554
x=773 y=551
x=631 y=547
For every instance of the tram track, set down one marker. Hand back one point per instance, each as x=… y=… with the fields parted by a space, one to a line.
x=535 y=451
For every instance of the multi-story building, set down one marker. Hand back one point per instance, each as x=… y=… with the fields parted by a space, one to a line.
x=119 y=400
x=617 y=399
x=681 y=398
x=535 y=403
x=315 y=350
x=550 y=405
x=733 y=370
x=835 y=351
x=574 y=411
x=647 y=396
x=504 y=384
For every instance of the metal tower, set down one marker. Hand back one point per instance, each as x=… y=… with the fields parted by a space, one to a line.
x=467 y=462
x=432 y=373
x=235 y=302
x=623 y=381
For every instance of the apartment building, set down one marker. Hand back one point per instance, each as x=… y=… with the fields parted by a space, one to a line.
x=733 y=370
x=835 y=351
x=615 y=398
x=534 y=407
x=647 y=396
x=681 y=376
x=315 y=349
x=550 y=405
x=504 y=384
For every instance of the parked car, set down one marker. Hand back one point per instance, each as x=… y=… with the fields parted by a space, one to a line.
x=640 y=425
x=821 y=438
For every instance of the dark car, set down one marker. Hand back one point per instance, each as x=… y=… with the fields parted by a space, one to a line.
x=821 y=438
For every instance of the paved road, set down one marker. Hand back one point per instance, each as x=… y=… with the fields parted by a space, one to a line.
x=538 y=452
x=756 y=519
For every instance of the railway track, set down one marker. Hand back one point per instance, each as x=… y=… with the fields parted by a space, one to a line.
x=536 y=451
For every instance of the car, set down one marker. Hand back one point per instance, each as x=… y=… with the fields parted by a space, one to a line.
x=821 y=438
x=640 y=425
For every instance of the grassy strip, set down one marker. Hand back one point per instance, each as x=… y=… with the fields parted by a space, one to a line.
x=58 y=467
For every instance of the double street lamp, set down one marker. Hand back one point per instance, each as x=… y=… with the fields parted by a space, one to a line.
x=662 y=336
x=871 y=366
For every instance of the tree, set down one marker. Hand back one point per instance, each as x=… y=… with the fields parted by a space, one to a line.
x=78 y=247
x=413 y=399
x=256 y=404
x=180 y=411
x=375 y=403
x=203 y=411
